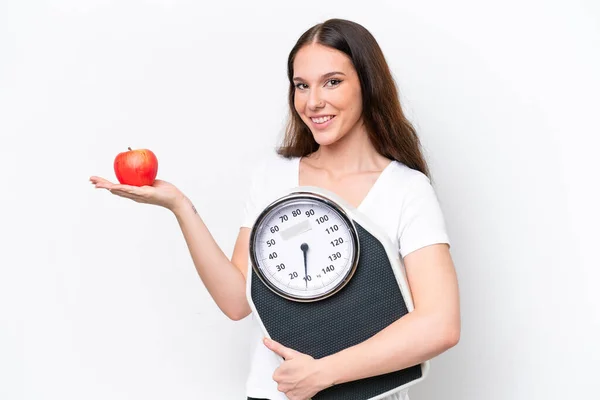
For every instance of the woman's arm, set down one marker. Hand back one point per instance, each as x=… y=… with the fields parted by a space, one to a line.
x=225 y=280
x=430 y=329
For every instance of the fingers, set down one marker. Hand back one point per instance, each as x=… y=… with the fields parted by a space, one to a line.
x=102 y=183
x=96 y=180
x=136 y=193
x=280 y=349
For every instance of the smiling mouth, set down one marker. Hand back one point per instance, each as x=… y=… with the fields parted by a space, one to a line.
x=322 y=120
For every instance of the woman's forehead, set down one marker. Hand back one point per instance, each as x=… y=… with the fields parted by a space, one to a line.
x=314 y=61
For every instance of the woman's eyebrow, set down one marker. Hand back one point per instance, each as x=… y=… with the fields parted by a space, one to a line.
x=327 y=75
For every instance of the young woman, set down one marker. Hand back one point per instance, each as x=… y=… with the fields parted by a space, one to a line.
x=347 y=134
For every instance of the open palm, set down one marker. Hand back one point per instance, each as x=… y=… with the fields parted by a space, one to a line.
x=161 y=193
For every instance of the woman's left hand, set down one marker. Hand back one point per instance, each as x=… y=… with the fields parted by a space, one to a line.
x=300 y=376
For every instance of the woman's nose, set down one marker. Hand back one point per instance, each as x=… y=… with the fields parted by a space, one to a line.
x=315 y=100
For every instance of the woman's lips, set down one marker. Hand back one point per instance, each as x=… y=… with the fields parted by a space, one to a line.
x=322 y=122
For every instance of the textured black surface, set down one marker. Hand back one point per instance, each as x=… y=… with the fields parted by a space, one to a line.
x=367 y=304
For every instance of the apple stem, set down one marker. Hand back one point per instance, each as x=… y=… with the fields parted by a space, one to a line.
x=129 y=148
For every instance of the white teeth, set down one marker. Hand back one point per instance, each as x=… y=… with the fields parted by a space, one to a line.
x=322 y=120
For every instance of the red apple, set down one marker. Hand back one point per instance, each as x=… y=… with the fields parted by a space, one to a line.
x=136 y=167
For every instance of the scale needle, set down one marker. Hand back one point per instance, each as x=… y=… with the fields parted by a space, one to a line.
x=304 y=248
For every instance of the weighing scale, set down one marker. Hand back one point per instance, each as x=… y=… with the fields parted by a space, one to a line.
x=321 y=278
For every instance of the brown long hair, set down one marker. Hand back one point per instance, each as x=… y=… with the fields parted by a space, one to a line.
x=392 y=135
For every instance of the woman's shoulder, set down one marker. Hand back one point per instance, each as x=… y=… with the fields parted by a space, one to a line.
x=278 y=160
x=271 y=162
x=404 y=177
x=272 y=159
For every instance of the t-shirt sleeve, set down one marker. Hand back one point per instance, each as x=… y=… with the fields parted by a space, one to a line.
x=421 y=219
x=252 y=205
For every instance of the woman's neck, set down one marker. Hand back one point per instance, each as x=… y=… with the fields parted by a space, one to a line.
x=351 y=154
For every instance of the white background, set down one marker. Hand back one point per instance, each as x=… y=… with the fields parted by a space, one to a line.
x=98 y=295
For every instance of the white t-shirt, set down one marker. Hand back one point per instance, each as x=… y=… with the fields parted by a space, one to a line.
x=402 y=202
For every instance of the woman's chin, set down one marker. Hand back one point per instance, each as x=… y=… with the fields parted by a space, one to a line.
x=324 y=138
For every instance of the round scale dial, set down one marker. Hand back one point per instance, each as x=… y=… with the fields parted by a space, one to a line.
x=304 y=247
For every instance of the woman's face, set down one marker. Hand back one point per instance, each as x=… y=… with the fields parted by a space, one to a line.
x=327 y=95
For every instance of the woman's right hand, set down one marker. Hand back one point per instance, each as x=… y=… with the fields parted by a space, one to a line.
x=161 y=193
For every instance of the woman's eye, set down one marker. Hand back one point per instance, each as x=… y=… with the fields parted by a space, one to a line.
x=330 y=83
